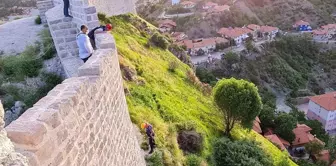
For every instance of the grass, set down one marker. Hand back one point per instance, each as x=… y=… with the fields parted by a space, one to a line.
x=167 y=99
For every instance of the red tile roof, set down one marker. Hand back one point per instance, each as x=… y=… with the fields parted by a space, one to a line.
x=167 y=22
x=286 y=143
x=269 y=131
x=187 y=3
x=320 y=32
x=324 y=156
x=268 y=29
x=275 y=139
x=233 y=33
x=198 y=43
x=218 y=9
x=253 y=27
x=211 y=4
x=256 y=125
x=329 y=26
x=327 y=101
x=303 y=136
x=301 y=22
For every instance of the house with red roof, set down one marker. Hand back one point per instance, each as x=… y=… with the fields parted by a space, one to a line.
x=219 y=9
x=281 y=143
x=209 y=5
x=166 y=25
x=178 y=36
x=302 y=26
x=255 y=30
x=269 y=32
x=256 y=125
x=238 y=35
x=303 y=136
x=323 y=109
x=188 y=4
x=320 y=35
x=207 y=45
x=331 y=30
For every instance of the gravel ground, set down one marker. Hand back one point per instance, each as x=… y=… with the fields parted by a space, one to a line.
x=17 y=34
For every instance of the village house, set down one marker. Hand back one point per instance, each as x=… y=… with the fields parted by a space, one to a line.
x=178 y=36
x=255 y=30
x=323 y=109
x=256 y=125
x=188 y=4
x=166 y=25
x=324 y=156
x=331 y=30
x=302 y=26
x=219 y=9
x=209 y=5
x=238 y=35
x=281 y=143
x=320 y=35
x=303 y=136
x=269 y=32
x=207 y=45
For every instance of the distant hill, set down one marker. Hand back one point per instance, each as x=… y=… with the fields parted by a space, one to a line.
x=284 y=13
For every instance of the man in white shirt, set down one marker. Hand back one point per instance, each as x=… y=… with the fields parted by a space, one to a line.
x=84 y=44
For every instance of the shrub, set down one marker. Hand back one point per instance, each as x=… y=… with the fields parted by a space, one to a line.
x=49 y=49
x=159 y=41
x=186 y=125
x=193 y=160
x=242 y=152
x=155 y=159
x=38 y=20
x=190 y=141
x=102 y=16
x=173 y=65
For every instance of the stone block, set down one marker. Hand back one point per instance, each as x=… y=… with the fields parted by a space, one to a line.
x=44 y=152
x=90 y=10
x=51 y=117
x=26 y=132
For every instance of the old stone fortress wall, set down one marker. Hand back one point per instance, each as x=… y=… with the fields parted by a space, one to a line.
x=84 y=120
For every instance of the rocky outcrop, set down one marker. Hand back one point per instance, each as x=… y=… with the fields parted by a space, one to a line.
x=14 y=112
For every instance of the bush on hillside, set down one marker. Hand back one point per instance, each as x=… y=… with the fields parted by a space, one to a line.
x=173 y=65
x=285 y=124
x=242 y=152
x=38 y=20
x=49 y=49
x=190 y=141
x=102 y=17
x=206 y=76
x=159 y=41
x=193 y=160
x=155 y=159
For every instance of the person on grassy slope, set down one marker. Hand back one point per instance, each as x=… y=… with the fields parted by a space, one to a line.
x=150 y=133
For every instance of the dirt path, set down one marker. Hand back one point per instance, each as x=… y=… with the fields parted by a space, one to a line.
x=18 y=34
x=242 y=6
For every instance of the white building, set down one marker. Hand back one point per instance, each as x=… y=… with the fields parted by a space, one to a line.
x=323 y=109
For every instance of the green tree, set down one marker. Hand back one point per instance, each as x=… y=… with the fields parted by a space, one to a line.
x=317 y=129
x=314 y=148
x=332 y=148
x=239 y=100
x=267 y=116
x=285 y=124
x=231 y=58
x=299 y=115
x=249 y=45
x=244 y=153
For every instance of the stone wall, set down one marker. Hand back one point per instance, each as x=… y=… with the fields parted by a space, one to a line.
x=84 y=120
x=7 y=154
x=43 y=6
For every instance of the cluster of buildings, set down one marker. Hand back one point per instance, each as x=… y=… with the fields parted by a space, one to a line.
x=206 y=45
x=323 y=33
x=239 y=35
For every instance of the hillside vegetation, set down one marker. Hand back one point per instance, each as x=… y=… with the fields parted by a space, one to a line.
x=284 y=13
x=163 y=91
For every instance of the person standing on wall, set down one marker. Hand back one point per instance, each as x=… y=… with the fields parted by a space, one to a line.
x=84 y=44
x=150 y=134
x=66 y=8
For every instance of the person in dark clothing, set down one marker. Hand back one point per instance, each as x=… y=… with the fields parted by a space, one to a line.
x=91 y=34
x=150 y=133
x=66 y=8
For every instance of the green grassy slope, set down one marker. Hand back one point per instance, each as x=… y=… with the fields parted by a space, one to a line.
x=167 y=99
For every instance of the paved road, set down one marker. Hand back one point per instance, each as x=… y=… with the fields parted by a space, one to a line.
x=217 y=55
